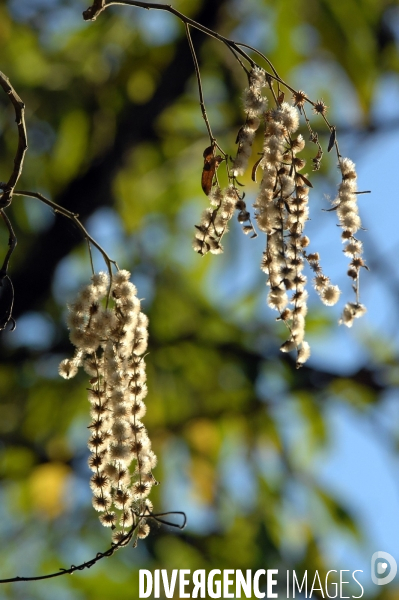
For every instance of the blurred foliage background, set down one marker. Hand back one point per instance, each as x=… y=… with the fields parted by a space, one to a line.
x=115 y=134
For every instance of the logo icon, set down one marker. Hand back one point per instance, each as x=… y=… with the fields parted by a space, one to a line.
x=383 y=568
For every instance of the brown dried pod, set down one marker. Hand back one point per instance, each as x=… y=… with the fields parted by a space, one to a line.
x=281 y=97
x=332 y=139
x=305 y=180
x=211 y=164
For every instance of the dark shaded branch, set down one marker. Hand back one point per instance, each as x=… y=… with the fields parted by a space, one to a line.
x=86 y=565
x=113 y=548
x=7 y=289
x=19 y=107
x=12 y=242
x=6 y=286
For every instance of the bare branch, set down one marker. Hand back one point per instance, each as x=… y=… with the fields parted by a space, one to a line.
x=12 y=242
x=19 y=106
x=73 y=217
x=98 y=6
x=126 y=539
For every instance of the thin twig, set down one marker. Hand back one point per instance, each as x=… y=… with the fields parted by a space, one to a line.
x=200 y=91
x=7 y=288
x=12 y=242
x=315 y=139
x=238 y=59
x=276 y=76
x=73 y=217
x=212 y=138
x=91 y=256
x=86 y=565
x=99 y=6
x=19 y=107
x=114 y=547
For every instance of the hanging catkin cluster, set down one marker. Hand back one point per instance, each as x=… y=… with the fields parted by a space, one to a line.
x=281 y=212
x=282 y=207
x=110 y=344
x=224 y=202
x=347 y=211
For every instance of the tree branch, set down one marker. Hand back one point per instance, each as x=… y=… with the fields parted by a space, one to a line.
x=12 y=242
x=74 y=218
x=19 y=107
x=113 y=548
x=99 y=6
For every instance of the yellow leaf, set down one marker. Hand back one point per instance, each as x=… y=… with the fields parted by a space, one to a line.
x=47 y=487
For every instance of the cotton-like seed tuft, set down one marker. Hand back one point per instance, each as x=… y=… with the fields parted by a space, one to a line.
x=67 y=369
x=143 y=530
x=303 y=354
x=320 y=282
x=288 y=346
x=120 y=277
x=108 y=519
x=102 y=503
x=351 y=311
x=352 y=248
x=277 y=298
x=330 y=295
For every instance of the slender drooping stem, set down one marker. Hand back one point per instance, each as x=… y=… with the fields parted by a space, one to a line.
x=200 y=92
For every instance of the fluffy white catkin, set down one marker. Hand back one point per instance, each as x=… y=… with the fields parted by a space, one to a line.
x=110 y=345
